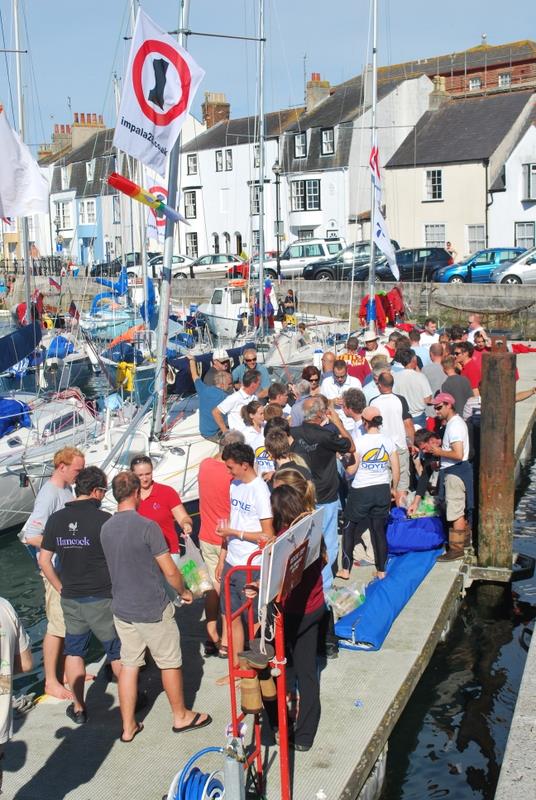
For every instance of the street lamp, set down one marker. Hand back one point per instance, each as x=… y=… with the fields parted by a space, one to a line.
x=277 y=170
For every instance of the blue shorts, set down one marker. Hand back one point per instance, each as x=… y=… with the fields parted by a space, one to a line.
x=84 y=616
x=237 y=582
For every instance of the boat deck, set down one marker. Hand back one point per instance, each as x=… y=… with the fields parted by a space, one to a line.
x=51 y=758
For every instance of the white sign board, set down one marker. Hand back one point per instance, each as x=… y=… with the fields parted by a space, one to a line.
x=276 y=554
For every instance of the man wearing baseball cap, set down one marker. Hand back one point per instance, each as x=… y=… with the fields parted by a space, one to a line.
x=455 y=475
x=220 y=363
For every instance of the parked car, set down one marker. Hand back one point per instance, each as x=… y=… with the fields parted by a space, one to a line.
x=155 y=263
x=477 y=268
x=383 y=271
x=109 y=269
x=216 y=265
x=522 y=270
x=340 y=267
x=300 y=253
x=420 y=263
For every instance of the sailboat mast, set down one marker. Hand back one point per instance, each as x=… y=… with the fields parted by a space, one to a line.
x=138 y=172
x=262 y=157
x=165 y=289
x=371 y=312
x=20 y=110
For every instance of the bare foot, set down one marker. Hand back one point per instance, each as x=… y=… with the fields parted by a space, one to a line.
x=57 y=690
x=344 y=574
x=225 y=680
x=380 y=575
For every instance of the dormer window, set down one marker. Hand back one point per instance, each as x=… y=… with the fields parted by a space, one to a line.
x=300 y=145
x=328 y=141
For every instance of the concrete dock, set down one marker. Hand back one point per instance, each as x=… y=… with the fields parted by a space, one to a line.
x=51 y=758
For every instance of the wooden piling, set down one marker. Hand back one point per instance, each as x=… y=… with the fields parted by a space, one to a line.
x=497 y=463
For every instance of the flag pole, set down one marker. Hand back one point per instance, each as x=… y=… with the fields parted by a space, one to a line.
x=21 y=126
x=371 y=310
x=165 y=288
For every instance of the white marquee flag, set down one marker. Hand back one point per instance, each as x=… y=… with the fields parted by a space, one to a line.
x=23 y=187
x=161 y=81
x=382 y=240
x=380 y=233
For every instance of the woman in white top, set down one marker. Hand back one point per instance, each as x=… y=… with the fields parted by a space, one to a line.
x=253 y=419
x=369 y=497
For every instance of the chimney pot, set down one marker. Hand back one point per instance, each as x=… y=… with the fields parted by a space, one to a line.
x=56 y=128
x=317 y=90
x=93 y=119
x=82 y=118
x=101 y=120
x=76 y=117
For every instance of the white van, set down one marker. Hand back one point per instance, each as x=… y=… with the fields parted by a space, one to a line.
x=300 y=253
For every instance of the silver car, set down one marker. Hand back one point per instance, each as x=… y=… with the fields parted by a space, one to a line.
x=522 y=270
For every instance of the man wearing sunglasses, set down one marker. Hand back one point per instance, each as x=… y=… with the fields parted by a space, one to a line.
x=220 y=363
x=455 y=476
x=334 y=387
x=249 y=361
x=468 y=366
x=84 y=583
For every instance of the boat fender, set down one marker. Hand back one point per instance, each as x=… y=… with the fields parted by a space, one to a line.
x=171 y=375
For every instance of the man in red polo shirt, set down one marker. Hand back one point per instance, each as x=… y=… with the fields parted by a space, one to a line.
x=468 y=366
x=356 y=363
x=214 y=481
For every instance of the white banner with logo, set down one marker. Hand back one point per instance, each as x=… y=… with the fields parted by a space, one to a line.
x=161 y=81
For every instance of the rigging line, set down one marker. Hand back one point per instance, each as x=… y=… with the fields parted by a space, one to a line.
x=7 y=70
x=32 y=71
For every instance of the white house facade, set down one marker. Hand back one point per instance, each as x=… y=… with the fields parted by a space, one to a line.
x=512 y=214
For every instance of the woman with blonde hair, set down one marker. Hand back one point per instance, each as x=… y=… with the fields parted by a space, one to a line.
x=289 y=476
x=304 y=608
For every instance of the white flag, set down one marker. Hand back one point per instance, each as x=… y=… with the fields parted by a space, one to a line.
x=382 y=240
x=159 y=88
x=380 y=234
x=23 y=187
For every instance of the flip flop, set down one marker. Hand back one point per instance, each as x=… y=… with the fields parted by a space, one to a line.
x=138 y=730
x=342 y=577
x=193 y=724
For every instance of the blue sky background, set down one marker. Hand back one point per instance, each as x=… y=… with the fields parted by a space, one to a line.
x=76 y=45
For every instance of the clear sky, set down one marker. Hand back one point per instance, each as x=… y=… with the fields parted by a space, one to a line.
x=76 y=45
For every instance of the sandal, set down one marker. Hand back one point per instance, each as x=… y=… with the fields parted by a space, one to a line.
x=211 y=648
x=223 y=651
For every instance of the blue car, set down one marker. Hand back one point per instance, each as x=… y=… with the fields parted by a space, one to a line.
x=477 y=268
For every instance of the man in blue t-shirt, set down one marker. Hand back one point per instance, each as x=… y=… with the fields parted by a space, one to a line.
x=249 y=358
x=209 y=398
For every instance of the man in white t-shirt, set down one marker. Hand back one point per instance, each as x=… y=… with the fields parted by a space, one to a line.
x=353 y=403
x=429 y=335
x=456 y=475
x=15 y=657
x=52 y=496
x=232 y=404
x=334 y=387
x=250 y=523
x=397 y=424
x=412 y=385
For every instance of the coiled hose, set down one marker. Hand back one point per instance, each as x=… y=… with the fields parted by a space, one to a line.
x=192 y=784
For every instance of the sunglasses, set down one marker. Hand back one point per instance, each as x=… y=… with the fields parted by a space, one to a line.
x=314 y=380
x=250 y=360
x=439 y=407
x=458 y=352
x=340 y=377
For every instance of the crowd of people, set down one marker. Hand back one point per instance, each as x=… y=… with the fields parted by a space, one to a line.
x=381 y=423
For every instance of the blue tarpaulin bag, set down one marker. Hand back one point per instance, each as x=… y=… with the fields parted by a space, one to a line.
x=406 y=535
x=366 y=627
x=60 y=347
